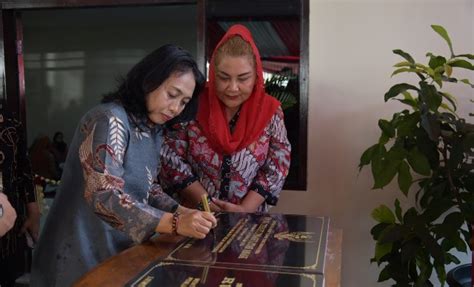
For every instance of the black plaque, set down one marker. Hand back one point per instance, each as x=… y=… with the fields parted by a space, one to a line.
x=272 y=242
x=171 y=274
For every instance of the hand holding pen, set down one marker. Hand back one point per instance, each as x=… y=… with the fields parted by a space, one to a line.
x=205 y=204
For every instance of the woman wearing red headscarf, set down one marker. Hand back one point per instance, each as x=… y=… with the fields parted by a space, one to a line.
x=237 y=150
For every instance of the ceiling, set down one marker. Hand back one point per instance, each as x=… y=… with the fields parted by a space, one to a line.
x=274 y=24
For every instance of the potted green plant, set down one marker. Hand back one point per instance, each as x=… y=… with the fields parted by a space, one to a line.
x=282 y=87
x=430 y=150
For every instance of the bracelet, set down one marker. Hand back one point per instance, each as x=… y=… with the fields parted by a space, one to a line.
x=174 y=223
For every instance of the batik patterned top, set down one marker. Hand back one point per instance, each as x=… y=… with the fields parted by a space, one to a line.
x=108 y=197
x=262 y=166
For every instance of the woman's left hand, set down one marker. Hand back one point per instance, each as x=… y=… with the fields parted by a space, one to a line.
x=229 y=207
x=249 y=204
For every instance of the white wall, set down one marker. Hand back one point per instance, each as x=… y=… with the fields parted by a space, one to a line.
x=350 y=66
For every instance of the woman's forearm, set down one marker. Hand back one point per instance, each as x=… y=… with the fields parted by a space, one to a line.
x=193 y=193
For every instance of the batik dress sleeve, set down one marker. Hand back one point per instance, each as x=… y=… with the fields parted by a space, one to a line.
x=271 y=176
x=176 y=172
x=101 y=154
x=159 y=199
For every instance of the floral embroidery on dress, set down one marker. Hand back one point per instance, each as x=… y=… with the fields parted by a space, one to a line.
x=96 y=181
x=125 y=200
x=140 y=134
x=117 y=137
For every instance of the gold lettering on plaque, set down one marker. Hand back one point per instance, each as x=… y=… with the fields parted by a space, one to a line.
x=243 y=233
x=145 y=281
x=265 y=238
x=247 y=237
x=230 y=236
x=189 y=244
x=254 y=239
x=186 y=282
x=228 y=281
x=296 y=236
x=190 y=282
x=195 y=282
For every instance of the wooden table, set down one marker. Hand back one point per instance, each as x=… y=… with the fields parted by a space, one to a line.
x=121 y=268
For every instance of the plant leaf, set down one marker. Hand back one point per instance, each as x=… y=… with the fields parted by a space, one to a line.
x=430 y=96
x=441 y=271
x=387 y=128
x=431 y=125
x=469 y=56
x=392 y=234
x=410 y=218
x=386 y=173
x=408 y=124
x=366 y=157
x=426 y=69
x=419 y=162
x=398 y=210
x=448 y=69
x=427 y=147
x=402 y=70
x=444 y=34
x=409 y=100
x=433 y=247
x=397 y=89
x=436 y=62
x=467 y=82
x=456 y=156
x=409 y=250
x=461 y=64
x=378 y=229
x=383 y=214
x=405 y=55
x=381 y=250
x=450 y=99
x=452 y=259
x=436 y=208
x=403 y=64
x=404 y=177
x=384 y=138
x=384 y=274
x=446 y=107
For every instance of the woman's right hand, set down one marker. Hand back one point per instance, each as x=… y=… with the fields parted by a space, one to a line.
x=196 y=223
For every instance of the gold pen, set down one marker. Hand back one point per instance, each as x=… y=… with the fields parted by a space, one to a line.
x=205 y=203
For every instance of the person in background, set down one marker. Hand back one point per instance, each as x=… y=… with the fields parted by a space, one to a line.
x=42 y=159
x=17 y=185
x=59 y=150
x=108 y=198
x=237 y=151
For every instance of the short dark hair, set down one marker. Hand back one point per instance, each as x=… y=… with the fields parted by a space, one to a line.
x=148 y=74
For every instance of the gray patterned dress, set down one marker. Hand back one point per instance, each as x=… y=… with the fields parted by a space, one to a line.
x=108 y=198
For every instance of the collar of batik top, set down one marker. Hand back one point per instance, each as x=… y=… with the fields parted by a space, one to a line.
x=143 y=124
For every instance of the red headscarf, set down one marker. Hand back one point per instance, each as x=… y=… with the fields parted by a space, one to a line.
x=255 y=112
